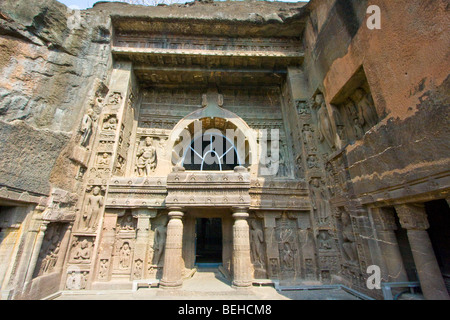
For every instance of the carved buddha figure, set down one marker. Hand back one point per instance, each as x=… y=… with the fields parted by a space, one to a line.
x=366 y=111
x=93 y=207
x=86 y=127
x=146 y=158
x=325 y=130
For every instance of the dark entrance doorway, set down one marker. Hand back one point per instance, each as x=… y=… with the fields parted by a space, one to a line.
x=438 y=214
x=208 y=242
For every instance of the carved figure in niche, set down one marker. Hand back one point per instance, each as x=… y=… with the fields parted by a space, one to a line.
x=325 y=241
x=103 y=272
x=50 y=248
x=138 y=269
x=302 y=107
x=126 y=223
x=110 y=124
x=308 y=138
x=86 y=127
x=119 y=164
x=299 y=167
x=357 y=129
x=93 y=207
x=366 y=109
x=288 y=256
x=348 y=239
x=52 y=256
x=329 y=176
x=82 y=251
x=325 y=130
x=73 y=281
x=146 y=158
x=319 y=200
x=125 y=256
x=256 y=244
x=104 y=160
x=159 y=244
x=274 y=266
x=312 y=161
x=115 y=98
x=204 y=101
x=351 y=109
x=46 y=261
x=84 y=280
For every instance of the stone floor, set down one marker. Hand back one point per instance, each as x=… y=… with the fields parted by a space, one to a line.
x=209 y=285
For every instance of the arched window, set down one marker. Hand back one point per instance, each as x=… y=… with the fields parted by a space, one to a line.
x=211 y=152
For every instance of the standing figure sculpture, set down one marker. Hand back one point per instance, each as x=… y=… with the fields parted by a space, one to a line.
x=325 y=130
x=319 y=201
x=159 y=244
x=125 y=256
x=366 y=110
x=146 y=158
x=288 y=256
x=86 y=127
x=93 y=207
x=256 y=244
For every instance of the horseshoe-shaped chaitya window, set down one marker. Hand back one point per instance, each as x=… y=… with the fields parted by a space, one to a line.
x=211 y=152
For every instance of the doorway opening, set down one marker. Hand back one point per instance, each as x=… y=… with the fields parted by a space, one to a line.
x=208 y=247
x=438 y=213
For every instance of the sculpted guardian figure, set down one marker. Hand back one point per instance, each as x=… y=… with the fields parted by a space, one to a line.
x=146 y=158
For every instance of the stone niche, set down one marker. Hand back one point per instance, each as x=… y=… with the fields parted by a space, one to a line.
x=52 y=253
x=354 y=110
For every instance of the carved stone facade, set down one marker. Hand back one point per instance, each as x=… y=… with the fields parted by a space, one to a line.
x=320 y=187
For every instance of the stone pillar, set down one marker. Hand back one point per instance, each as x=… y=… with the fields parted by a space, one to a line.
x=173 y=256
x=414 y=219
x=390 y=250
x=35 y=254
x=142 y=239
x=242 y=265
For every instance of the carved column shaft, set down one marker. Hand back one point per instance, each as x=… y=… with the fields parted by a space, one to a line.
x=414 y=219
x=242 y=265
x=173 y=259
x=36 y=250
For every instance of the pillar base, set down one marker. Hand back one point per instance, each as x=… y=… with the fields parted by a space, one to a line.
x=241 y=284
x=170 y=285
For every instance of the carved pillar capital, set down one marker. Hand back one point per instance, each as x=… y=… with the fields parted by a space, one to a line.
x=240 y=213
x=176 y=213
x=385 y=219
x=412 y=216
